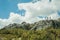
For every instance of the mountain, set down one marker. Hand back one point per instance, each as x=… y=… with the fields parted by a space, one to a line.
x=42 y=24
x=46 y=23
x=42 y=30
x=23 y=25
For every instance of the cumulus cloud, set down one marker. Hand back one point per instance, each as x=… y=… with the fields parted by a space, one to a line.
x=54 y=16
x=13 y=18
x=43 y=7
x=3 y=22
x=16 y=18
x=40 y=8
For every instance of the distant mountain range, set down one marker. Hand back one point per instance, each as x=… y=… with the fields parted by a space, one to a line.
x=42 y=24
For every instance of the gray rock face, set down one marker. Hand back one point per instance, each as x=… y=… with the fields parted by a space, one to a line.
x=36 y=26
x=46 y=23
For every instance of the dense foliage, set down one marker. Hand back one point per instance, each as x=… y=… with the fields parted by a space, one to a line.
x=23 y=31
x=21 y=34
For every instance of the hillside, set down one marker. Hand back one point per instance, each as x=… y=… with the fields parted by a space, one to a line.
x=42 y=30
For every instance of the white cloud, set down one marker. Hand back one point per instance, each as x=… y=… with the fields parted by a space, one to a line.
x=54 y=16
x=13 y=18
x=43 y=7
x=40 y=8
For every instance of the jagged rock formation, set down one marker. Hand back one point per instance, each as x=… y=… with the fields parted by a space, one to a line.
x=46 y=23
x=36 y=26
x=23 y=25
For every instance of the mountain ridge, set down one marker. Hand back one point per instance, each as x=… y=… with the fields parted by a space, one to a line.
x=35 y=26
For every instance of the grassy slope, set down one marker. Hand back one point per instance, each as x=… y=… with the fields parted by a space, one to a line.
x=44 y=34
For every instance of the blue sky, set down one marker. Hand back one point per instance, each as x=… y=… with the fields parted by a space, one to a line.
x=12 y=11
x=7 y=6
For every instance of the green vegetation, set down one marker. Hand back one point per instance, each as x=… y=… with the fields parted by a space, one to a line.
x=17 y=34
x=50 y=31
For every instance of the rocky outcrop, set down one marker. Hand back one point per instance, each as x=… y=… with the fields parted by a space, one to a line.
x=36 y=26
